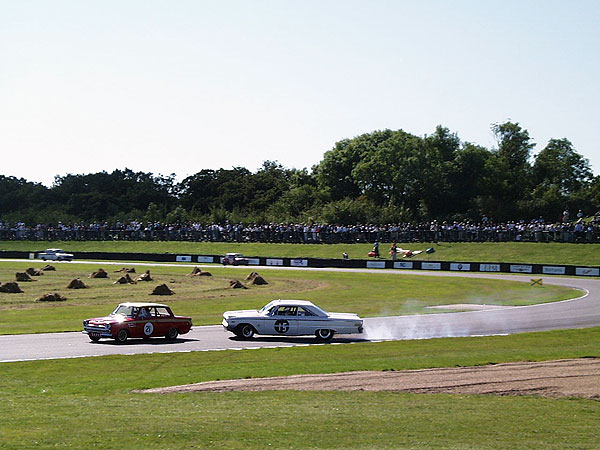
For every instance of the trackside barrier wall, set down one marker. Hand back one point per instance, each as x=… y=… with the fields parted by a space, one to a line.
x=402 y=264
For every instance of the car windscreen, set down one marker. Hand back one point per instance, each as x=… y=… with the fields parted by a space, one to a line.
x=266 y=307
x=125 y=310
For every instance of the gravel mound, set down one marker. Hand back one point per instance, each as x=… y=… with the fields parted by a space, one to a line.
x=561 y=378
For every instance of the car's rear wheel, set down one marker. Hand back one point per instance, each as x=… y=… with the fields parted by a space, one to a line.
x=324 y=335
x=246 y=331
x=94 y=338
x=122 y=336
x=172 y=334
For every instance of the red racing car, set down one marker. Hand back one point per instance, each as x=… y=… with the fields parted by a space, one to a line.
x=137 y=320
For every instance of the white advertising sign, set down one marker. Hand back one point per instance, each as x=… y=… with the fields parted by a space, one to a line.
x=205 y=259
x=553 y=270
x=521 y=268
x=299 y=262
x=460 y=266
x=376 y=264
x=431 y=266
x=274 y=262
x=587 y=271
x=489 y=267
x=180 y=258
x=253 y=261
x=403 y=265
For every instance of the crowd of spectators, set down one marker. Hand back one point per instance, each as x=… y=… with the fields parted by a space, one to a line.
x=486 y=230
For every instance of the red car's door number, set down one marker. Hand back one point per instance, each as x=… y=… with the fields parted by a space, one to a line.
x=148 y=328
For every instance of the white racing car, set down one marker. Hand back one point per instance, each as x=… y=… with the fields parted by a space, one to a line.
x=291 y=318
x=55 y=254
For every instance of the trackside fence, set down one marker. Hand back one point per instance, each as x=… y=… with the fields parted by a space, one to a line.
x=402 y=264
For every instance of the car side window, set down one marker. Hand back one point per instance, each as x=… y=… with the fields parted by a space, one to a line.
x=162 y=312
x=287 y=310
x=304 y=312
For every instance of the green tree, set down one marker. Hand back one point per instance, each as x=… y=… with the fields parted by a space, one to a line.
x=558 y=164
x=508 y=172
x=562 y=178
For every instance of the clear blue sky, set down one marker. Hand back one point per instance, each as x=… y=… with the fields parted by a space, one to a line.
x=180 y=86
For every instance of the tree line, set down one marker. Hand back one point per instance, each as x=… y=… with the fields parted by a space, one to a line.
x=380 y=177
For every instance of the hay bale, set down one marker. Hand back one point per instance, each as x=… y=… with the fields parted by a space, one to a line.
x=23 y=276
x=126 y=270
x=47 y=268
x=10 y=288
x=126 y=279
x=197 y=272
x=257 y=280
x=100 y=273
x=162 y=289
x=236 y=284
x=251 y=275
x=144 y=277
x=77 y=284
x=34 y=272
x=56 y=297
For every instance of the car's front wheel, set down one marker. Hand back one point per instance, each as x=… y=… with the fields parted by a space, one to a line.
x=324 y=335
x=246 y=331
x=122 y=336
x=172 y=334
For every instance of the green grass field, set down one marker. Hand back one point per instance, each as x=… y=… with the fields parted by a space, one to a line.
x=205 y=298
x=517 y=252
x=88 y=402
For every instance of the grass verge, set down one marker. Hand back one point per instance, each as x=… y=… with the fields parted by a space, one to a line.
x=205 y=298
x=88 y=402
x=516 y=252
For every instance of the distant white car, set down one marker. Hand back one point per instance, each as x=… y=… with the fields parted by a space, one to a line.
x=291 y=318
x=234 y=259
x=55 y=254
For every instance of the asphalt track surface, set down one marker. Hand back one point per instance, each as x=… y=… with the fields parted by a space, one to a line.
x=581 y=312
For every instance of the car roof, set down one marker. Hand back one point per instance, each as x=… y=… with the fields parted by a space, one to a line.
x=292 y=302
x=142 y=304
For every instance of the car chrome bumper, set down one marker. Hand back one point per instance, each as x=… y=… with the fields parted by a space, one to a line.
x=98 y=333
x=226 y=325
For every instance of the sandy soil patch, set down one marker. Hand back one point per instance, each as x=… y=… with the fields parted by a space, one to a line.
x=561 y=378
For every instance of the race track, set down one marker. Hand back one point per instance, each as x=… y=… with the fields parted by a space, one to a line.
x=577 y=313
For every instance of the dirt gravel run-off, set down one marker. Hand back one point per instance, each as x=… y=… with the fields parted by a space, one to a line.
x=561 y=378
